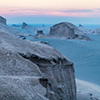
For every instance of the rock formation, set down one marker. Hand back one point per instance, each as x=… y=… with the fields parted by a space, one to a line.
x=34 y=71
x=92 y=31
x=24 y=25
x=95 y=31
x=66 y=30
x=2 y=20
x=39 y=34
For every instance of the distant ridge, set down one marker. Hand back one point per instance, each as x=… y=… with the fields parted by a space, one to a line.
x=3 y=20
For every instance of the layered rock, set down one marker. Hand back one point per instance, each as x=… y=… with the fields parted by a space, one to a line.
x=54 y=71
x=34 y=71
x=66 y=30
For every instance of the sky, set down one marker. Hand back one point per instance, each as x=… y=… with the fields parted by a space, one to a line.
x=51 y=11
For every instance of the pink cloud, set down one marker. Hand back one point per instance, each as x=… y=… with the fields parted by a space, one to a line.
x=66 y=13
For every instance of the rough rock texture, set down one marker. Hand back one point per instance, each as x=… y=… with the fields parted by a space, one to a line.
x=13 y=64
x=65 y=30
x=2 y=20
x=57 y=84
x=94 y=31
x=34 y=71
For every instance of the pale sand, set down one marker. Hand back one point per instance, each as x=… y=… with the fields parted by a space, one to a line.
x=87 y=91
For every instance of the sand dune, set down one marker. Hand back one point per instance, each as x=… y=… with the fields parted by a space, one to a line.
x=87 y=91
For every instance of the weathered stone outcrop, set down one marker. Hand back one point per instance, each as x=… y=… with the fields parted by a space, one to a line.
x=19 y=78
x=7 y=29
x=2 y=20
x=33 y=70
x=65 y=30
x=68 y=31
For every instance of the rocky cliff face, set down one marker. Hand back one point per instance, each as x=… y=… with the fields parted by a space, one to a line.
x=58 y=86
x=34 y=71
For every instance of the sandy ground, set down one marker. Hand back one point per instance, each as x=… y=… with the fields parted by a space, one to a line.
x=87 y=91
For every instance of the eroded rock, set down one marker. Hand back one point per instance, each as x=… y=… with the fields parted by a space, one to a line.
x=24 y=25
x=65 y=30
x=38 y=71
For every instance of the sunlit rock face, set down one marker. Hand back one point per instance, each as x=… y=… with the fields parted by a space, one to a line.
x=34 y=71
